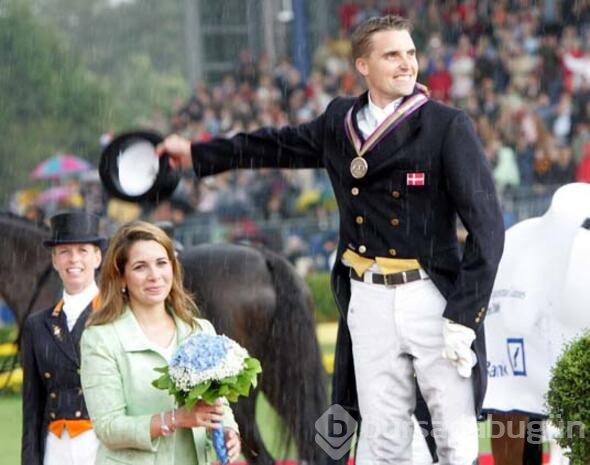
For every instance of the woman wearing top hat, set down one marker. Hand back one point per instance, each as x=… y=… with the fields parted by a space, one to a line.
x=56 y=426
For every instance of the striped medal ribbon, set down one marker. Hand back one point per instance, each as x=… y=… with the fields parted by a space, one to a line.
x=359 y=165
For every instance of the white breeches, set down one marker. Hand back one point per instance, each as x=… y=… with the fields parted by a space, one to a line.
x=397 y=335
x=79 y=450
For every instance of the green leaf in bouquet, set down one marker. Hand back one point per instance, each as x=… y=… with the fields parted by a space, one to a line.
x=253 y=364
x=210 y=397
x=223 y=390
x=243 y=384
x=199 y=389
x=229 y=380
x=163 y=382
x=161 y=370
x=244 y=389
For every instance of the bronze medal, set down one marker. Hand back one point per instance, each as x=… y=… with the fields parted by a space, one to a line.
x=358 y=167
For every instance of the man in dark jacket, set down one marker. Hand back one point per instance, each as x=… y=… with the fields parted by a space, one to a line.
x=403 y=169
x=56 y=426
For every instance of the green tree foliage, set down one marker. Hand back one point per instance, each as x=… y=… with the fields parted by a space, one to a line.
x=72 y=69
x=49 y=102
x=138 y=45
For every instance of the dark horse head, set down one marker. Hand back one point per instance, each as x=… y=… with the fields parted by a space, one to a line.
x=250 y=294
x=27 y=281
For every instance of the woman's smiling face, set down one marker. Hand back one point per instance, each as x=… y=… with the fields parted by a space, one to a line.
x=76 y=264
x=148 y=274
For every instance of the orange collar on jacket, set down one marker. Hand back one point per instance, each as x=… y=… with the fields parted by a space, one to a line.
x=60 y=305
x=74 y=427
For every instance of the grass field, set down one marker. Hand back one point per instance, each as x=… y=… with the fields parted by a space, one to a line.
x=11 y=421
x=10 y=429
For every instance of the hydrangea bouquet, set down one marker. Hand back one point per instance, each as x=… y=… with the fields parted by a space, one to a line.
x=206 y=367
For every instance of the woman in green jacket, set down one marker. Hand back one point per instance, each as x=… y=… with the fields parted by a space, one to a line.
x=145 y=314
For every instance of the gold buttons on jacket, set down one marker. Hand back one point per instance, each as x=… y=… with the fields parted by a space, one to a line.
x=354 y=191
x=480 y=314
x=53 y=395
x=392 y=252
x=395 y=194
x=78 y=414
x=395 y=222
x=47 y=375
x=359 y=220
x=362 y=249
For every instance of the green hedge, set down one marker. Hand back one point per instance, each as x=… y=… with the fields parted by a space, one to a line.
x=325 y=306
x=8 y=333
x=568 y=400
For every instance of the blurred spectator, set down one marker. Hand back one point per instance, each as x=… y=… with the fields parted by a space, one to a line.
x=440 y=81
x=521 y=70
x=583 y=170
x=35 y=213
x=462 y=67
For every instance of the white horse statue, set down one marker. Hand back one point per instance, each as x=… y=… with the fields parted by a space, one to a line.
x=539 y=303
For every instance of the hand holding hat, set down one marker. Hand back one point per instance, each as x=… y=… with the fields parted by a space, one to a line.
x=178 y=150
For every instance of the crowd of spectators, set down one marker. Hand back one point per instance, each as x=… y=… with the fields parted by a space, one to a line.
x=521 y=70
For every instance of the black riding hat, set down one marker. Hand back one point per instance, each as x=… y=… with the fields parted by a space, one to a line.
x=74 y=228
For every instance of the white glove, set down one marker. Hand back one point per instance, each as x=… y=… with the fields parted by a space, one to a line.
x=457 y=347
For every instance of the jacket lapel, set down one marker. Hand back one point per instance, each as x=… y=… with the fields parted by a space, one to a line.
x=405 y=132
x=76 y=332
x=130 y=334
x=359 y=103
x=57 y=326
x=393 y=139
x=134 y=340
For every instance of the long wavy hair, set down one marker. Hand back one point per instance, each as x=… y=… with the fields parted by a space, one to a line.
x=114 y=300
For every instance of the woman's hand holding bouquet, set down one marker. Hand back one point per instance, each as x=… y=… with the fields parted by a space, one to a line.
x=204 y=369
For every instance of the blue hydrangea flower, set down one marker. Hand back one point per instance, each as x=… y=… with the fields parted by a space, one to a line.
x=205 y=357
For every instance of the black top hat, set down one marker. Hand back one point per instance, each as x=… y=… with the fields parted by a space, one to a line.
x=130 y=170
x=74 y=228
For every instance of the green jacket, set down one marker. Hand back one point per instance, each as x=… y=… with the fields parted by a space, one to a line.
x=117 y=370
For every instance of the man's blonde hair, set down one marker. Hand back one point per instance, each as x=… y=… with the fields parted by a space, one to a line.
x=361 y=37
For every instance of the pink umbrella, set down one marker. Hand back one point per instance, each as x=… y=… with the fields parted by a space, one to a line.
x=58 y=166
x=54 y=195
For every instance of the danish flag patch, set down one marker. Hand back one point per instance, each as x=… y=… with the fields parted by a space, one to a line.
x=415 y=179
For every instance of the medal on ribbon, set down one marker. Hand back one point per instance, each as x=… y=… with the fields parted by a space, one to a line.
x=359 y=165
